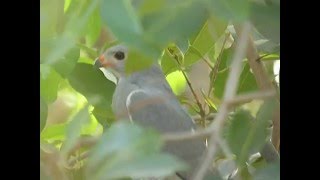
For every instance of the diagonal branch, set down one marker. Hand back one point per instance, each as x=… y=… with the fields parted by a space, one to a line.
x=230 y=92
x=263 y=82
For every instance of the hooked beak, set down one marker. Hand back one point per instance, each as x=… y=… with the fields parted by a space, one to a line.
x=102 y=62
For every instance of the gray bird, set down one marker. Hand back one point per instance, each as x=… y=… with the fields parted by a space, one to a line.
x=146 y=98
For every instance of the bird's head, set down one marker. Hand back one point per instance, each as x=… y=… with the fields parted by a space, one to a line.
x=113 y=59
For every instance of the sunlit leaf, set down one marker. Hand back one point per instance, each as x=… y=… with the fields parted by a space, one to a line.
x=43 y=113
x=177 y=82
x=49 y=83
x=93 y=28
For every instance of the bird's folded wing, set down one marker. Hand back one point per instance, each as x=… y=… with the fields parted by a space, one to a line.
x=153 y=109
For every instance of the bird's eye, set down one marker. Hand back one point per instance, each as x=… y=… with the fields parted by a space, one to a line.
x=119 y=55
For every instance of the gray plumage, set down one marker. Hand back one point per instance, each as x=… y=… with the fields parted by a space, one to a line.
x=146 y=98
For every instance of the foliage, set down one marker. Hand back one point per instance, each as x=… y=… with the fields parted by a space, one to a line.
x=178 y=34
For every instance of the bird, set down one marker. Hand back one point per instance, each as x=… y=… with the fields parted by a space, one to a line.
x=145 y=97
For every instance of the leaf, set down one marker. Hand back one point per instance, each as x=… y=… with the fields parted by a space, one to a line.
x=97 y=89
x=271 y=171
x=43 y=113
x=49 y=83
x=93 y=28
x=266 y=18
x=137 y=61
x=235 y=10
x=174 y=23
x=238 y=132
x=127 y=150
x=91 y=83
x=50 y=14
x=66 y=64
x=247 y=81
x=104 y=116
x=260 y=130
x=247 y=136
x=127 y=26
x=54 y=132
x=126 y=23
x=177 y=82
x=168 y=63
x=223 y=72
x=73 y=130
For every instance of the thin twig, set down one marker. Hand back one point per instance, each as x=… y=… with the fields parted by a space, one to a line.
x=201 y=110
x=250 y=96
x=216 y=66
x=82 y=156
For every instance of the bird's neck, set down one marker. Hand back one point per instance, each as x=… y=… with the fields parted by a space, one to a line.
x=151 y=73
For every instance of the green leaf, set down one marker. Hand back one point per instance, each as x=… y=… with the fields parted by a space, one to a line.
x=168 y=63
x=126 y=26
x=137 y=61
x=66 y=64
x=266 y=18
x=247 y=81
x=238 y=132
x=260 y=129
x=49 y=83
x=54 y=132
x=271 y=171
x=127 y=150
x=246 y=135
x=91 y=83
x=223 y=72
x=104 y=116
x=43 y=113
x=73 y=130
x=93 y=28
x=177 y=82
x=174 y=23
x=50 y=15
x=235 y=10
x=200 y=45
x=121 y=18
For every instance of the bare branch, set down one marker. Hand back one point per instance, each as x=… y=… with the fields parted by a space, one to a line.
x=262 y=80
x=230 y=91
x=250 y=96
x=207 y=131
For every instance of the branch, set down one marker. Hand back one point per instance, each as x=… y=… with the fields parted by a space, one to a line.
x=230 y=91
x=263 y=82
x=250 y=96
x=181 y=136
